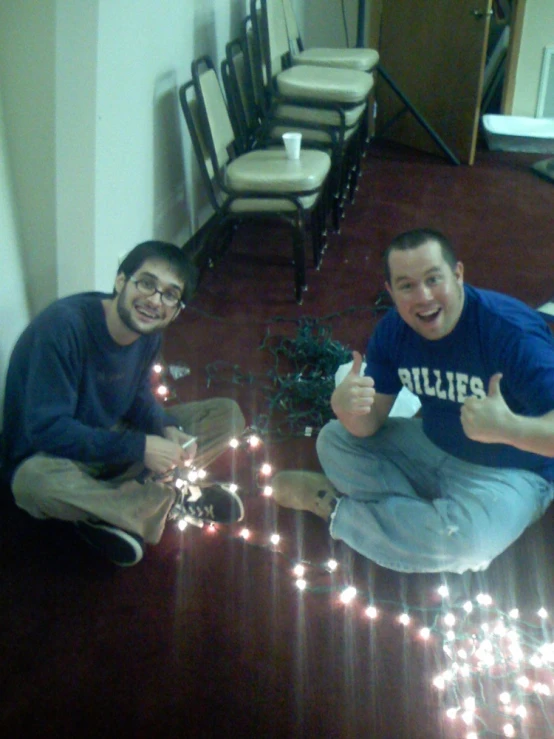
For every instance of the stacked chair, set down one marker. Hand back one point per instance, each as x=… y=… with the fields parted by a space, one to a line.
x=273 y=85
x=328 y=105
x=257 y=183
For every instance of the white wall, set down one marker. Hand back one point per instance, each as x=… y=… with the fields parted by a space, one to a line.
x=537 y=32
x=322 y=22
x=14 y=311
x=27 y=80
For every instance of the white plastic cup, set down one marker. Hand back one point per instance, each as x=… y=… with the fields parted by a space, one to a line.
x=292 y=141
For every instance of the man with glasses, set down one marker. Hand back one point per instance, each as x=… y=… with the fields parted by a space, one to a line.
x=85 y=440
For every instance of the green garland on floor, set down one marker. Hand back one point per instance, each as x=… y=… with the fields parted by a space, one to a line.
x=300 y=391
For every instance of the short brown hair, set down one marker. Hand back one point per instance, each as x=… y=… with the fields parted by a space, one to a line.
x=416 y=238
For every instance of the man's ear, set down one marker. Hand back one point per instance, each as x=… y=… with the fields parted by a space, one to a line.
x=120 y=281
x=459 y=272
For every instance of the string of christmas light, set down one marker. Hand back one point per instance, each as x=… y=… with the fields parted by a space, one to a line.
x=496 y=675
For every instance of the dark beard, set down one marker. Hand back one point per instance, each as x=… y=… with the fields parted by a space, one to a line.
x=126 y=318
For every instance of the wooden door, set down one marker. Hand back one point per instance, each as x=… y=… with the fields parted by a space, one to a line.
x=435 y=52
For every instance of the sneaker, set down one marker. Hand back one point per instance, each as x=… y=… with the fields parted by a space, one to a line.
x=305 y=491
x=216 y=503
x=120 y=547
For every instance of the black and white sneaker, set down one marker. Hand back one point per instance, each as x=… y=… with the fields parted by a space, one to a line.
x=215 y=503
x=120 y=547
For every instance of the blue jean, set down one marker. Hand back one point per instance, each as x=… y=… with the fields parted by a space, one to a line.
x=411 y=507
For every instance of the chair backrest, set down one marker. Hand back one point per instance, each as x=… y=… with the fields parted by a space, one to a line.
x=239 y=87
x=295 y=42
x=213 y=112
x=190 y=108
x=256 y=64
x=271 y=33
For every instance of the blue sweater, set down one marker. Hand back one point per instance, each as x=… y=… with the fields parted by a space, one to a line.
x=495 y=333
x=69 y=383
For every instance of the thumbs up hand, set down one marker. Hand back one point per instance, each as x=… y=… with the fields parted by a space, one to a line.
x=489 y=419
x=356 y=393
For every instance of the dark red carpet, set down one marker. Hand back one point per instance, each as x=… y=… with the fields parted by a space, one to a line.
x=209 y=636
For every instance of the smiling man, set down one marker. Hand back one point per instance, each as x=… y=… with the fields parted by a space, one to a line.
x=450 y=490
x=84 y=439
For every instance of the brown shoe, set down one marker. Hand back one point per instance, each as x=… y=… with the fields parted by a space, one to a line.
x=305 y=491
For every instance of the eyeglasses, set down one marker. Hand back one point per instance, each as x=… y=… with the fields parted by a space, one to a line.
x=148 y=287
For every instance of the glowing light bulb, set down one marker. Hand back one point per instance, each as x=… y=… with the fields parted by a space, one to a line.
x=157 y=368
x=425 y=633
x=542 y=613
x=505 y=698
x=348 y=594
x=472 y=735
x=451 y=713
x=162 y=390
x=468 y=606
x=469 y=703
x=523 y=681
x=443 y=591
x=192 y=476
x=332 y=565
x=299 y=570
x=254 y=441
x=301 y=584
x=266 y=469
x=245 y=533
x=275 y=539
x=509 y=730
x=181 y=524
x=234 y=443
x=439 y=682
x=450 y=619
x=514 y=613
x=467 y=717
x=521 y=711
x=201 y=474
x=233 y=487
x=267 y=491
x=404 y=619
x=484 y=599
x=179 y=483
x=371 y=612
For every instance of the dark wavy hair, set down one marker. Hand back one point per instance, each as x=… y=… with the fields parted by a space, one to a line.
x=177 y=260
x=416 y=238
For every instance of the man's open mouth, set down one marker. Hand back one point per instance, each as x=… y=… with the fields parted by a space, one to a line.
x=429 y=316
x=150 y=315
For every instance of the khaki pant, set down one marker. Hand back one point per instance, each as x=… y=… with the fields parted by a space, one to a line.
x=53 y=487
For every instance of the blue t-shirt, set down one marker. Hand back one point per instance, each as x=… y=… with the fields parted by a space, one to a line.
x=69 y=383
x=495 y=333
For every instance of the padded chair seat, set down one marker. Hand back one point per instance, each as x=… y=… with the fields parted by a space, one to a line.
x=327 y=84
x=317 y=116
x=310 y=135
x=364 y=60
x=270 y=205
x=269 y=170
